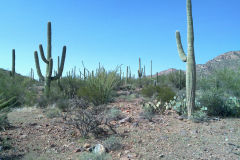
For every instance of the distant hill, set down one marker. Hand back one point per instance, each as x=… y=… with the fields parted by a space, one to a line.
x=229 y=60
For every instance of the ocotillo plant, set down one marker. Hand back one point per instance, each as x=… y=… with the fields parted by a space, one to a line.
x=140 y=73
x=12 y=73
x=49 y=62
x=190 y=59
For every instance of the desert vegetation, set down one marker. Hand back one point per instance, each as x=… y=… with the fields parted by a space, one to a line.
x=100 y=114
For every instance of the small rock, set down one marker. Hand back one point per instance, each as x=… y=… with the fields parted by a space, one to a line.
x=99 y=148
x=126 y=152
x=119 y=154
x=132 y=155
x=86 y=145
x=23 y=136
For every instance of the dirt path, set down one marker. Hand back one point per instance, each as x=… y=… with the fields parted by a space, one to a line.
x=166 y=137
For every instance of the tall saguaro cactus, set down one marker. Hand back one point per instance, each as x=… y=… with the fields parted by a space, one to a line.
x=49 y=62
x=189 y=59
x=12 y=73
x=140 y=73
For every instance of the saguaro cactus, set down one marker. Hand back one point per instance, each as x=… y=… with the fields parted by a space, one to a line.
x=190 y=60
x=12 y=73
x=126 y=76
x=140 y=73
x=49 y=62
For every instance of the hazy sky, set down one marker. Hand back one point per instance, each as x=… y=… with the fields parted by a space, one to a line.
x=115 y=32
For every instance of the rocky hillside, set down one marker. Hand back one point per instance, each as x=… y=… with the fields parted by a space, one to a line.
x=227 y=60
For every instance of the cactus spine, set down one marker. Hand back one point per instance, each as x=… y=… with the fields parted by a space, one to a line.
x=12 y=73
x=49 y=62
x=140 y=73
x=190 y=59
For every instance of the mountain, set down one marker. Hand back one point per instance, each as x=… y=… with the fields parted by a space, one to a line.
x=229 y=60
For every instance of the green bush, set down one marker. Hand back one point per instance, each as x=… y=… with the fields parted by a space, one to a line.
x=53 y=112
x=19 y=87
x=177 y=79
x=148 y=91
x=4 y=123
x=99 y=89
x=164 y=94
x=113 y=143
x=215 y=103
x=114 y=114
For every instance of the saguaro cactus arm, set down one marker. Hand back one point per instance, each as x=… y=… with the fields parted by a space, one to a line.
x=181 y=52
x=59 y=74
x=42 y=54
x=38 y=66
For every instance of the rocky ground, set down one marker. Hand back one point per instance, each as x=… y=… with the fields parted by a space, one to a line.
x=166 y=137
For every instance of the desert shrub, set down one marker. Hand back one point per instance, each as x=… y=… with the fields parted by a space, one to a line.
x=53 y=112
x=148 y=91
x=226 y=81
x=219 y=104
x=164 y=93
x=78 y=103
x=4 y=123
x=5 y=144
x=215 y=103
x=42 y=101
x=114 y=114
x=19 y=87
x=99 y=89
x=113 y=143
x=199 y=116
x=62 y=104
x=94 y=156
x=84 y=120
x=177 y=79
x=70 y=86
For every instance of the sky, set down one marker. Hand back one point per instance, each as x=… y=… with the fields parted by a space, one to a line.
x=115 y=32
